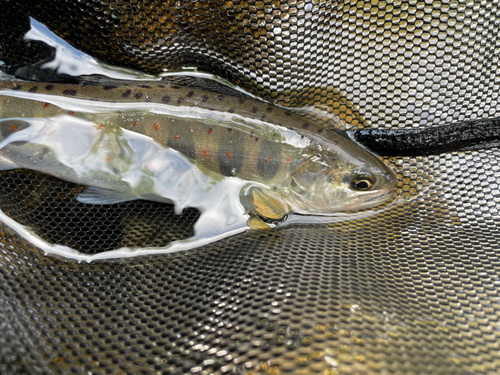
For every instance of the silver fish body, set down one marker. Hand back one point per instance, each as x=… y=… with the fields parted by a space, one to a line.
x=239 y=161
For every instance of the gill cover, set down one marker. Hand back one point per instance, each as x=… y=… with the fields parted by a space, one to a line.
x=339 y=176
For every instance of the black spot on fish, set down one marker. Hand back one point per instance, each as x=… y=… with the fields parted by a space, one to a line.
x=179 y=101
x=17 y=87
x=231 y=154
x=268 y=161
x=138 y=95
x=320 y=131
x=204 y=98
x=69 y=92
x=49 y=87
x=165 y=99
x=9 y=127
x=255 y=110
x=220 y=98
x=190 y=94
x=242 y=100
x=287 y=113
x=231 y=110
x=269 y=109
x=33 y=89
x=144 y=86
x=127 y=93
x=161 y=86
x=305 y=125
x=110 y=87
x=230 y=129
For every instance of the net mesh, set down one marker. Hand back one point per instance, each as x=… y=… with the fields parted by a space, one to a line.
x=412 y=289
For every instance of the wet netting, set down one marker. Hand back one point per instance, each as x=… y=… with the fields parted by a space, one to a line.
x=413 y=289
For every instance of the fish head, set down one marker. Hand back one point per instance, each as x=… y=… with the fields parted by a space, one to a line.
x=339 y=176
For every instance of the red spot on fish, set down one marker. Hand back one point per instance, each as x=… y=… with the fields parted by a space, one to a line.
x=71 y=113
x=267 y=159
x=155 y=126
x=13 y=127
x=205 y=153
x=107 y=160
x=127 y=159
x=327 y=173
x=229 y=156
x=210 y=131
x=46 y=106
x=176 y=136
x=134 y=124
x=256 y=139
x=289 y=160
x=101 y=126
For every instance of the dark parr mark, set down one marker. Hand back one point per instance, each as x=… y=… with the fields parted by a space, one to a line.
x=33 y=89
x=175 y=87
x=268 y=161
x=110 y=87
x=320 y=131
x=220 y=98
x=181 y=139
x=144 y=86
x=269 y=109
x=231 y=154
x=231 y=110
x=69 y=92
x=255 y=110
x=287 y=113
x=305 y=125
x=17 y=87
x=204 y=98
x=127 y=93
x=138 y=95
x=9 y=127
x=190 y=94
x=242 y=100
x=49 y=87
x=165 y=99
x=179 y=101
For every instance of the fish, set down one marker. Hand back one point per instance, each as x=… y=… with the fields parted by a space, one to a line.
x=126 y=142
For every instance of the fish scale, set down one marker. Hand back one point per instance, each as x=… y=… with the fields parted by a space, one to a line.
x=223 y=146
x=303 y=167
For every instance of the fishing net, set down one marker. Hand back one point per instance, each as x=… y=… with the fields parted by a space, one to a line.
x=412 y=289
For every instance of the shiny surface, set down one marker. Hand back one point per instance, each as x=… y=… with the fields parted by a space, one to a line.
x=412 y=290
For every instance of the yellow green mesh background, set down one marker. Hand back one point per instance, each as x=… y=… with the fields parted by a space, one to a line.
x=410 y=290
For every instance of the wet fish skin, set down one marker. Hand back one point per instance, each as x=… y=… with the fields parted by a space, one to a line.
x=313 y=170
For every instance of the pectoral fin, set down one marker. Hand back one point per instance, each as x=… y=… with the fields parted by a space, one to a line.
x=255 y=222
x=93 y=195
x=264 y=203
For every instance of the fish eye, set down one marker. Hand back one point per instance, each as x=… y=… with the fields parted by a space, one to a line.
x=361 y=181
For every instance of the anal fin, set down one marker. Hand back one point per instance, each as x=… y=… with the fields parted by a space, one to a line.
x=94 y=195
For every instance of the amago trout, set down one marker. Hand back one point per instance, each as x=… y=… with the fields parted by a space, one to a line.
x=289 y=164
